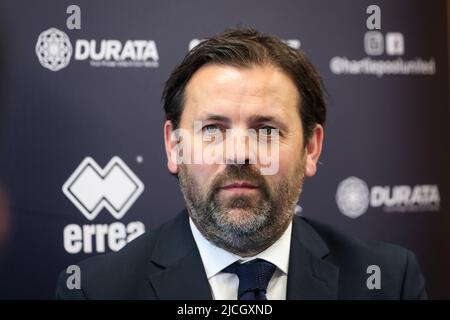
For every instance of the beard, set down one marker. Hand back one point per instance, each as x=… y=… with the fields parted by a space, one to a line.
x=244 y=224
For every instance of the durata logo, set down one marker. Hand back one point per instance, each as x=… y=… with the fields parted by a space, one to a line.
x=112 y=53
x=91 y=188
x=353 y=197
x=53 y=49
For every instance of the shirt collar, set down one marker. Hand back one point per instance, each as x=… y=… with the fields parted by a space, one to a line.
x=215 y=259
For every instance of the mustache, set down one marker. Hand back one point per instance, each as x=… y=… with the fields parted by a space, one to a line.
x=239 y=172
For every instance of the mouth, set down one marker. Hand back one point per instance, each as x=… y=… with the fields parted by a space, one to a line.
x=239 y=186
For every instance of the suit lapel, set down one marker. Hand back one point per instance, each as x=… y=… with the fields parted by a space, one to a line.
x=310 y=275
x=183 y=280
x=183 y=275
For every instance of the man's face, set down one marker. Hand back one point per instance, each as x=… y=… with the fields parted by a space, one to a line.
x=233 y=204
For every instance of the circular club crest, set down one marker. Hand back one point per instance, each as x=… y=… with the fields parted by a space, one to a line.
x=352 y=197
x=54 y=49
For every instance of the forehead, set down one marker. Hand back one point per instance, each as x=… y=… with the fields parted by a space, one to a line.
x=233 y=91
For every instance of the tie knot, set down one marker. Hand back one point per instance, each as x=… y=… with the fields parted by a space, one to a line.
x=254 y=276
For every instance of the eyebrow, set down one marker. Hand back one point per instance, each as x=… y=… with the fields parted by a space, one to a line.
x=252 y=119
x=215 y=117
x=260 y=118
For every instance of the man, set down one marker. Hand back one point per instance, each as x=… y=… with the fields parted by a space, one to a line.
x=239 y=237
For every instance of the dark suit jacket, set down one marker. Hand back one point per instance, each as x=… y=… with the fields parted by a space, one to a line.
x=323 y=264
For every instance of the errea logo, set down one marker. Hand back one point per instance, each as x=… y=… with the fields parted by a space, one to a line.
x=91 y=188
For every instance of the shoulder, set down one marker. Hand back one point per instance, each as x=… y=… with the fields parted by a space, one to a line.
x=357 y=259
x=114 y=275
x=342 y=245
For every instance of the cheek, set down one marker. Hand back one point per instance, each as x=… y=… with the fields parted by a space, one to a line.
x=281 y=175
x=290 y=157
x=202 y=173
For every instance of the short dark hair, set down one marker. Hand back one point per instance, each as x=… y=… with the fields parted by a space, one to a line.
x=246 y=47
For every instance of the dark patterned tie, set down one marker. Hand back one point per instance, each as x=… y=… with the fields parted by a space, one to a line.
x=254 y=276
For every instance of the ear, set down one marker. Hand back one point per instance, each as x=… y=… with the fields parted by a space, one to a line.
x=313 y=149
x=170 y=142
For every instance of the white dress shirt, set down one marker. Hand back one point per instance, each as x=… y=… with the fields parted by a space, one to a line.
x=224 y=286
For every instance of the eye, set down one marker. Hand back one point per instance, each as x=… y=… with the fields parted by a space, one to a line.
x=267 y=130
x=211 y=129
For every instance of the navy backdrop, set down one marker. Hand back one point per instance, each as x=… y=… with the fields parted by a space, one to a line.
x=83 y=160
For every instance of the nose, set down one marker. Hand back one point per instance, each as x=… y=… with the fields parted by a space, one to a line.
x=240 y=147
